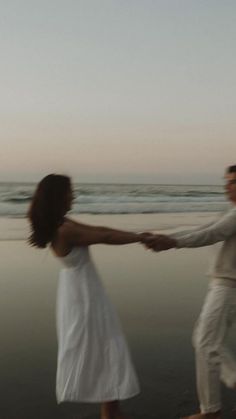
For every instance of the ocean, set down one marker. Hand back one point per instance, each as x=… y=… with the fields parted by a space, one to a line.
x=97 y=198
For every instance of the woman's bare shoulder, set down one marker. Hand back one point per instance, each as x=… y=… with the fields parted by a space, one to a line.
x=65 y=228
x=70 y=227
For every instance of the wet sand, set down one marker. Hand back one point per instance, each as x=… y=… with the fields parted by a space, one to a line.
x=158 y=297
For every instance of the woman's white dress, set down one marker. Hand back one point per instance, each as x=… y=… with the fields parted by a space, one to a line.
x=94 y=364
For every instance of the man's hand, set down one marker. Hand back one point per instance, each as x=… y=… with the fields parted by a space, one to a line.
x=158 y=242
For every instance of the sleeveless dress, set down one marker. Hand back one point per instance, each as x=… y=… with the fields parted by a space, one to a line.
x=94 y=364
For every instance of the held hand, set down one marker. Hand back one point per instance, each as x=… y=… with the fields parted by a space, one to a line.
x=144 y=237
x=159 y=242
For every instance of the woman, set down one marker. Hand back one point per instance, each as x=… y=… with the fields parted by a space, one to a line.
x=93 y=359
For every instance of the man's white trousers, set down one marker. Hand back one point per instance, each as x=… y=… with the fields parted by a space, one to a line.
x=214 y=361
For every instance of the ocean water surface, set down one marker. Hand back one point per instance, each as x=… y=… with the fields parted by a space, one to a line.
x=121 y=198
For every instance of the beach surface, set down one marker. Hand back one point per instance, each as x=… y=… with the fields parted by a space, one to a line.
x=158 y=298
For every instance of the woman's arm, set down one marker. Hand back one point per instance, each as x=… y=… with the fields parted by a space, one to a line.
x=77 y=234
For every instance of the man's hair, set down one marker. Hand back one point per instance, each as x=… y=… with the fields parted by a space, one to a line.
x=231 y=169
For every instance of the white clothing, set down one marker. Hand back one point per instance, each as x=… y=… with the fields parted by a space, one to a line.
x=222 y=230
x=213 y=359
x=214 y=362
x=94 y=364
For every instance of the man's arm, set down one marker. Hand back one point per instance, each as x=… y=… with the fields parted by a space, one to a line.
x=191 y=230
x=218 y=231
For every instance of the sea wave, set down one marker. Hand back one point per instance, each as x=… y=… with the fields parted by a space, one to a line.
x=121 y=199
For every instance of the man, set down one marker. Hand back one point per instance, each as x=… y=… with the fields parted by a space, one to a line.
x=214 y=362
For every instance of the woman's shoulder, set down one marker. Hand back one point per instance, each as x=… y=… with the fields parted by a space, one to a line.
x=66 y=228
x=69 y=227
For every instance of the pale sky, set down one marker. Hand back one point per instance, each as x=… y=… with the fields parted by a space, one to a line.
x=118 y=90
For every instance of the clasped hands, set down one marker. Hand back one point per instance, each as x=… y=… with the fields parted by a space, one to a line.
x=157 y=242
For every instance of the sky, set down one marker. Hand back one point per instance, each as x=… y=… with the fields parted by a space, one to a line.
x=118 y=90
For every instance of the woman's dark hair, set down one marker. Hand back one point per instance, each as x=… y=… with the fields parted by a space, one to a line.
x=49 y=204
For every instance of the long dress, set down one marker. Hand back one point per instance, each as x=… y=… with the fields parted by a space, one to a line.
x=94 y=364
